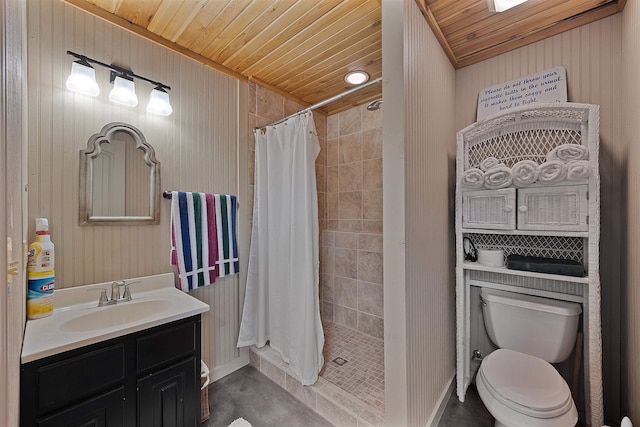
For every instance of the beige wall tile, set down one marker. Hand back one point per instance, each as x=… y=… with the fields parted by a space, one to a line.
x=326 y=311
x=370 y=298
x=327 y=263
x=333 y=126
x=371 y=325
x=252 y=98
x=321 y=124
x=327 y=287
x=321 y=178
x=370 y=242
x=333 y=151
x=322 y=205
x=346 y=292
x=291 y=107
x=372 y=173
x=332 y=209
x=345 y=316
x=350 y=225
x=333 y=181
x=328 y=238
x=270 y=105
x=254 y=360
x=370 y=267
x=346 y=263
x=372 y=226
x=350 y=176
x=347 y=240
x=371 y=119
x=372 y=144
x=372 y=204
x=350 y=121
x=350 y=148
x=350 y=205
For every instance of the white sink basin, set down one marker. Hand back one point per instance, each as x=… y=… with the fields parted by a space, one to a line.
x=115 y=315
x=77 y=322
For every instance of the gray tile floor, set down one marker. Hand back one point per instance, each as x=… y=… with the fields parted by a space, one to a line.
x=249 y=394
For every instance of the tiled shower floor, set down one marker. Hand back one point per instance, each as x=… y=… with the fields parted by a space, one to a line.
x=363 y=374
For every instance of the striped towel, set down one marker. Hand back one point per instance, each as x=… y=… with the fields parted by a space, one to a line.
x=194 y=239
x=226 y=207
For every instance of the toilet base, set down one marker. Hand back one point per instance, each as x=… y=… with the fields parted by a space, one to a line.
x=507 y=417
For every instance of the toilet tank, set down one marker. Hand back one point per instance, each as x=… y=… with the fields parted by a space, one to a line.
x=538 y=326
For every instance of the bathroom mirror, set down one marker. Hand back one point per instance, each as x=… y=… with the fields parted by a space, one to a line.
x=119 y=178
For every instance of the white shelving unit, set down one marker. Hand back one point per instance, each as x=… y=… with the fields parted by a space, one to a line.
x=558 y=220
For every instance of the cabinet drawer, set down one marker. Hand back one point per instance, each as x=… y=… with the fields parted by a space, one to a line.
x=489 y=209
x=71 y=379
x=167 y=345
x=104 y=410
x=553 y=208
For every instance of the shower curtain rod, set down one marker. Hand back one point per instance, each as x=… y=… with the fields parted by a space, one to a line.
x=321 y=103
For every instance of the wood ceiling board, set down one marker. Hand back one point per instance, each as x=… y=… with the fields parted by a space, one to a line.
x=180 y=20
x=245 y=33
x=138 y=12
x=108 y=5
x=193 y=36
x=280 y=38
x=558 y=28
x=491 y=31
x=348 y=47
x=332 y=38
x=335 y=67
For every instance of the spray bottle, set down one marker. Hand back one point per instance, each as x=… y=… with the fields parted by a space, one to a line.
x=41 y=274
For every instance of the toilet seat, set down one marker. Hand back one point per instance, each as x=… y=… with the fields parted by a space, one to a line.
x=526 y=384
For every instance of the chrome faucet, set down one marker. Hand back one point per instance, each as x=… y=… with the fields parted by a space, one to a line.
x=115 y=293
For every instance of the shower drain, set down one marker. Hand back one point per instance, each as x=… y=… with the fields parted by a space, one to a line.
x=339 y=361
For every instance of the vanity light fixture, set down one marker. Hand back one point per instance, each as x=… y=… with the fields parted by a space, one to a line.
x=124 y=90
x=502 y=5
x=159 y=102
x=82 y=80
x=356 y=77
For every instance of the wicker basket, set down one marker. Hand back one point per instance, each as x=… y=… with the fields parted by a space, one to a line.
x=204 y=393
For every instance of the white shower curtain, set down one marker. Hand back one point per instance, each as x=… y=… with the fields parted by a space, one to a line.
x=281 y=302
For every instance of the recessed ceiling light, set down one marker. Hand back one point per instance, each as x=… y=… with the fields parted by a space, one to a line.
x=502 y=5
x=356 y=77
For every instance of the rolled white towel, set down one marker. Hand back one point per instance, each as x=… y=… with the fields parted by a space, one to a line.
x=578 y=170
x=472 y=178
x=569 y=152
x=498 y=177
x=552 y=171
x=489 y=163
x=525 y=173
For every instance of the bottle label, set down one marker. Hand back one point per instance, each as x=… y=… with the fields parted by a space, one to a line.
x=40 y=295
x=39 y=259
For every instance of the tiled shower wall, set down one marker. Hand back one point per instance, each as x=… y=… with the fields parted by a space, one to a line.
x=351 y=241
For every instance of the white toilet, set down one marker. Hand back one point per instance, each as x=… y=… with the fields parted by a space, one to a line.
x=517 y=383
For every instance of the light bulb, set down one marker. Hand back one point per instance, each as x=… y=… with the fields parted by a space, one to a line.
x=83 y=79
x=356 y=77
x=159 y=102
x=124 y=92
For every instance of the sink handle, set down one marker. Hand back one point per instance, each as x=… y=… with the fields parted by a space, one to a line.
x=103 y=297
x=127 y=293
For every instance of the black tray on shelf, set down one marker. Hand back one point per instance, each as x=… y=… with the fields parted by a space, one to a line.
x=566 y=267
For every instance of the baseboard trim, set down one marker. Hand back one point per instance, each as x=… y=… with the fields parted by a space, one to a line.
x=224 y=370
x=442 y=405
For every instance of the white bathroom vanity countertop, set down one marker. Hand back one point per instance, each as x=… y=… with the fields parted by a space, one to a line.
x=77 y=321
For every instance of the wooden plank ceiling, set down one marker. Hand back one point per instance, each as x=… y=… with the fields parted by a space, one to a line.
x=303 y=48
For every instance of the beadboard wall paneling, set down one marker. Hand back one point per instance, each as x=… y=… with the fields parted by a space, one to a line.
x=197 y=147
x=430 y=176
x=631 y=286
x=419 y=172
x=593 y=59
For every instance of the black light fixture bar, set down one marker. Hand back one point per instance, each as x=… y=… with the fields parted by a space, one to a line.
x=118 y=71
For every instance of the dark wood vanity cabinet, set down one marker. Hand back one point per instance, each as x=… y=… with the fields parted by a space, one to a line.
x=147 y=378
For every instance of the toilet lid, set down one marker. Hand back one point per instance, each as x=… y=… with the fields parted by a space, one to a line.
x=526 y=383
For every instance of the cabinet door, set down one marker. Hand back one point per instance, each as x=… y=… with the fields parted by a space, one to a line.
x=489 y=209
x=553 y=208
x=170 y=397
x=105 y=410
